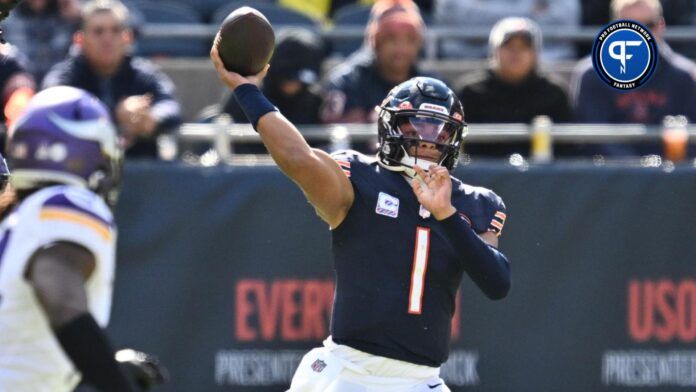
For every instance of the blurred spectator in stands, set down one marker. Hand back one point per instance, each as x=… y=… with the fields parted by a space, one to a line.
x=512 y=90
x=16 y=84
x=675 y=12
x=42 y=30
x=291 y=83
x=141 y=97
x=671 y=90
x=393 y=39
x=483 y=14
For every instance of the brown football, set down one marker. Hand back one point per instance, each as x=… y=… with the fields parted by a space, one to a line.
x=245 y=41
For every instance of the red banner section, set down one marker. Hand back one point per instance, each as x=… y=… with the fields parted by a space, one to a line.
x=663 y=310
x=289 y=310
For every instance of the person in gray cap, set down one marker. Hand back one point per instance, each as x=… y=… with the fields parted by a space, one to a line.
x=511 y=89
x=291 y=83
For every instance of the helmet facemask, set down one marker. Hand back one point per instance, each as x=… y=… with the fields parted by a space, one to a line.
x=418 y=137
x=107 y=180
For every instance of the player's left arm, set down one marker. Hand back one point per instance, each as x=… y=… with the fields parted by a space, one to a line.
x=483 y=262
x=58 y=273
x=490 y=238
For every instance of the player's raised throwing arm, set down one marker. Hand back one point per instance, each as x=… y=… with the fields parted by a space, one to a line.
x=319 y=176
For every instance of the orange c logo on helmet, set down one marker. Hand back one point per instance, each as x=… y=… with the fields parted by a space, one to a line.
x=405 y=105
x=457 y=116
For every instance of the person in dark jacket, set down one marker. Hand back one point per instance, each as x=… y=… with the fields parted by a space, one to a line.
x=393 y=39
x=511 y=90
x=17 y=85
x=42 y=30
x=140 y=97
x=670 y=91
x=291 y=83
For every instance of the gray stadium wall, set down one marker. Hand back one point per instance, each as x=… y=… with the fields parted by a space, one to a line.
x=226 y=274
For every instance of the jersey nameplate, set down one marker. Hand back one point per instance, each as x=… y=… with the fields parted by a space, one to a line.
x=387 y=205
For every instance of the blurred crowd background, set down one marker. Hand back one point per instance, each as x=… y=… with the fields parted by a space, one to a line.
x=523 y=63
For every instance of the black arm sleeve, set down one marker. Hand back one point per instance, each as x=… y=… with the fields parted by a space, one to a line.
x=87 y=346
x=484 y=264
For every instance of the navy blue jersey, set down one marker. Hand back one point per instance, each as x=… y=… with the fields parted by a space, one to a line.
x=396 y=273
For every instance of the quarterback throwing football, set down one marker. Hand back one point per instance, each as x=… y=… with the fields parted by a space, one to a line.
x=403 y=230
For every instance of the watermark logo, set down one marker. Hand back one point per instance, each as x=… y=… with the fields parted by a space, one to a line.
x=624 y=54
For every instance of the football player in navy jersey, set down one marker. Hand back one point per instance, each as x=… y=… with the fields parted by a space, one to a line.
x=404 y=233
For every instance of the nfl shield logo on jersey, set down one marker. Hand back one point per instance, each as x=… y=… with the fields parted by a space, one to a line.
x=318 y=365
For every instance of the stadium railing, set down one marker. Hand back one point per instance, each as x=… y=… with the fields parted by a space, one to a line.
x=542 y=136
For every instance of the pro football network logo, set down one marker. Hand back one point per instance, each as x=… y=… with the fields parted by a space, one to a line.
x=624 y=54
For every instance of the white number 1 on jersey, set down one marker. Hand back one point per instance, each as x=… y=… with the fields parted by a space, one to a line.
x=420 y=264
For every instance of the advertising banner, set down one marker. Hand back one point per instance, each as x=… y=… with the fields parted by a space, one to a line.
x=226 y=274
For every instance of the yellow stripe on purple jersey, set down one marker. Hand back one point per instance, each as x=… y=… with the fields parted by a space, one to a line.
x=65 y=214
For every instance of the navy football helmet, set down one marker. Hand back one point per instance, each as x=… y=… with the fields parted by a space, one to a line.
x=420 y=114
x=65 y=136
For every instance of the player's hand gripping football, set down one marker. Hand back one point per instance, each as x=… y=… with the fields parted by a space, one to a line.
x=434 y=190
x=233 y=79
x=145 y=369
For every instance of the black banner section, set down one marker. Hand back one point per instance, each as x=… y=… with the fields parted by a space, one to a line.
x=226 y=274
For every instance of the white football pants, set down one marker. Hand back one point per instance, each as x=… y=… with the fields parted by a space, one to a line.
x=339 y=368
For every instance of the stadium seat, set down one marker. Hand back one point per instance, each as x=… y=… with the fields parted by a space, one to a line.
x=275 y=14
x=206 y=8
x=169 y=12
x=351 y=15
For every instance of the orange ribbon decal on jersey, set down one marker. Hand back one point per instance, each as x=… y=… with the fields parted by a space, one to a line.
x=78 y=218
